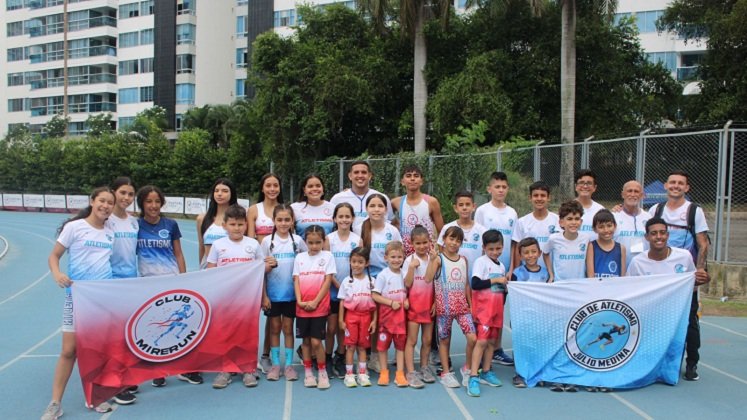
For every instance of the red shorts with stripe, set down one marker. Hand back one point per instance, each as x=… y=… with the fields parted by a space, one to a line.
x=385 y=340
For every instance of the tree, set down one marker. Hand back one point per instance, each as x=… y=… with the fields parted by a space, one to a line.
x=57 y=126
x=413 y=15
x=99 y=124
x=719 y=24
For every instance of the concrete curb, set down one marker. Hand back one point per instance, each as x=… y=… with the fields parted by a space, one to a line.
x=5 y=248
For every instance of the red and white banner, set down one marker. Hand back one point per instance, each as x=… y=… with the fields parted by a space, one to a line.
x=129 y=331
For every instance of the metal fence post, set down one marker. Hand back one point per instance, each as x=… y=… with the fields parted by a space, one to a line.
x=537 y=161
x=342 y=174
x=640 y=157
x=723 y=139
x=272 y=167
x=398 y=166
x=430 y=175
x=499 y=159
x=585 y=153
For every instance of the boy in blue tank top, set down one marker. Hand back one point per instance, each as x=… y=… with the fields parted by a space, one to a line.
x=604 y=256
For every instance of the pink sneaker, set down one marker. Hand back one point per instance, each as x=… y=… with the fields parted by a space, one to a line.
x=290 y=373
x=274 y=373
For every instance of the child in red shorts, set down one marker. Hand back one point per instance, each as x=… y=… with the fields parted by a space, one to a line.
x=488 y=287
x=391 y=295
x=357 y=316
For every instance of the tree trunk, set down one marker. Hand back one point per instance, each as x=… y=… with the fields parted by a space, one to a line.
x=567 y=95
x=420 y=88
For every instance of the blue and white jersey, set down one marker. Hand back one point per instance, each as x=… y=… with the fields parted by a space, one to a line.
x=89 y=250
x=471 y=248
x=607 y=263
x=213 y=233
x=631 y=232
x=124 y=254
x=522 y=273
x=568 y=256
x=379 y=239
x=359 y=206
x=587 y=218
x=679 y=235
x=503 y=220
x=280 y=279
x=341 y=252
x=307 y=215
x=155 y=247
x=530 y=227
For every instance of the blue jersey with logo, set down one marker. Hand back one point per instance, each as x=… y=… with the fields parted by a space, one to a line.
x=607 y=263
x=155 y=247
x=522 y=273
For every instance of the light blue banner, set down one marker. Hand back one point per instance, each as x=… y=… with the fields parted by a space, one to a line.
x=617 y=332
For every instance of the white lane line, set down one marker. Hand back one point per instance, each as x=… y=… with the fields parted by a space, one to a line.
x=25 y=289
x=288 y=405
x=631 y=406
x=5 y=249
x=38 y=356
x=459 y=404
x=723 y=328
x=32 y=348
x=109 y=414
x=727 y=374
x=37 y=281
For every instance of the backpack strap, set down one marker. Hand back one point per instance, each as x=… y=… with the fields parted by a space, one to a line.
x=691 y=211
x=660 y=209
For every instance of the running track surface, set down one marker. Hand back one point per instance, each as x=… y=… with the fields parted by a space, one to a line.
x=30 y=311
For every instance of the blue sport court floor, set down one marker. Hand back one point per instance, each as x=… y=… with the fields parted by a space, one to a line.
x=30 y=313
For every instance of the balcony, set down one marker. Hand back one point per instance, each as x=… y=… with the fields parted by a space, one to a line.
x=86 y=79
x=688 y=73
x=85 y=107
x=73 y=25
x=73 y=53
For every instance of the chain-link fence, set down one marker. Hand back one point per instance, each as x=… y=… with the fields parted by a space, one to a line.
x=713 y=159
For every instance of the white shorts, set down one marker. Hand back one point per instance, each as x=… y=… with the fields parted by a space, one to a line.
x=68 y=324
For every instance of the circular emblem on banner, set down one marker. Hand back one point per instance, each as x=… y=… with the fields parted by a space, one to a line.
x=168 y=325
x=602 y=335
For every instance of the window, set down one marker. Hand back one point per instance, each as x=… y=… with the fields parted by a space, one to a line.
x=13 y=4
x=15 y=54
x=16 y=105
x=146 y=37
x=178 y=122
x=185 y=63
x=15 y=28
x=185 y=7
x=240 y=57
x=128 y=67
x=185 y=33
x=185 y=93
x=146 y=65
x=620 y=16
x=146 y=8
x=125 y=122
x=646 y=21
x=129 y=39
x=129 y=10
x=240 y=88
x=15 y=79
x=146 y=94
x=241 y=25
x=285 y=18
x=129 y=96
x=667 y=59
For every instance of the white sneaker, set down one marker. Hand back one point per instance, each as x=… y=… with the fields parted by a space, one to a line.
x=449 y=380
x=373 y=363
x=53 y=411
x=264 y=364
x=364 y=380
x=433 y=358
x=309 y=381
x=349 y=380
x=222 y=380
x=323 y=380
x=104 y=407
x=465 y=376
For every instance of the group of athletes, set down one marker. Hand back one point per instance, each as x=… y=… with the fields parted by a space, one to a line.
x=350 y=279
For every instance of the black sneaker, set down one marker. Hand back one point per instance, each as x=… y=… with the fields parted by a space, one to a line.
x=299 y=352
x=330 y=366
x=519 y=381
x=557 y=387
x=194 y=378
x=691 y=373
x=339 y=365
x=570 y=388
x=158 y=382
x=125 y=398
x=133 y=389
x=440 y=368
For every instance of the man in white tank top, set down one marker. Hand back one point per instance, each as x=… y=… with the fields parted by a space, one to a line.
x=416 y=208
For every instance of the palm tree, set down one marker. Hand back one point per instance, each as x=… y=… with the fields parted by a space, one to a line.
x=413 y=15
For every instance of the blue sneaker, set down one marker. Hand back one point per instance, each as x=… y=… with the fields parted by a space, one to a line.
x=489 y=378
x=473 y=388
x=500 y=357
